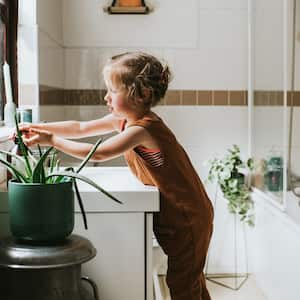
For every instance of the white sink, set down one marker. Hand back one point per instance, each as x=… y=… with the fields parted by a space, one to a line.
x=122 y=184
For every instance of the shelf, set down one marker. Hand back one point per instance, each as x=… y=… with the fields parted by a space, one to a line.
x=141 y=10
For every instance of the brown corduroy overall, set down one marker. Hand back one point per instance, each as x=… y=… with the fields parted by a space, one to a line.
x=183 y=226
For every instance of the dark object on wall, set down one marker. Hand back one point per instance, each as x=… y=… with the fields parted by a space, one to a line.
x=128 y=7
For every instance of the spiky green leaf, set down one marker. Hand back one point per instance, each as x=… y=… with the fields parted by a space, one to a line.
x=38 y=175
x=19 y=176
x=84 y=162
x=24 y=148
x=19 y=158
x=84 y=179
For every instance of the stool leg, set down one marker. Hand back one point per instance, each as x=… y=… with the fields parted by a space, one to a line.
x=93 y=285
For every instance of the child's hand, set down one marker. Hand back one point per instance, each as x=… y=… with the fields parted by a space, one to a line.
x=24 y=129
x=35 y=136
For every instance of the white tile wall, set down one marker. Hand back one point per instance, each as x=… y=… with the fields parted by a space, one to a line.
x=207 y=46
x=223 y=4
x=205 y=69
x=85 y=113
x=268 y=69
x=52 y=113
x=28 y=55
x=204 y=42
x=223 y=28
x=165 y=27
x=49 y=18
x=211 y=35
x=83 y=67
x=295 y=154
x=267 y=130
x=51 y=61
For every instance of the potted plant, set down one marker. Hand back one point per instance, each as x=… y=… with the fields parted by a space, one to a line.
x=229 y=173
x=40 y=195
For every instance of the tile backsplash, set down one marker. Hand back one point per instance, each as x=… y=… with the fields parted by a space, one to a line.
x=57 y=96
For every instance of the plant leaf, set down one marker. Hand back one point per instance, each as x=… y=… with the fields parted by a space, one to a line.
x=20 y=177
x=33 y=160
x=92 y=151
x=24 y=148
x=13 y=155
x=85 y=179
x=38 y=174
x=53 y=161
x=79 y=199
x=40 y=150
x=80 y=205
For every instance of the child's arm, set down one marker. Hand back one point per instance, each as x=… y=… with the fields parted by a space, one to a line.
x=76 y=129
x=111 y=148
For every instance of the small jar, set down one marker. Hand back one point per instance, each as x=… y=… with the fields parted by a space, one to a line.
x=24 y=115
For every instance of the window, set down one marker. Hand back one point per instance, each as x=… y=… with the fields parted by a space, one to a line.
x=8 y=46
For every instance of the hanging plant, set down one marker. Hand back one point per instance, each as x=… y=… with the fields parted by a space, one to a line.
x=229 y=173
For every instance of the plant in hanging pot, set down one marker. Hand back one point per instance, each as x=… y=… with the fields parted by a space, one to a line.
x=229 y=173
x=41 y=197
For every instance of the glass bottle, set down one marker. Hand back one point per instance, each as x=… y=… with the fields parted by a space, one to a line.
x=274 y=175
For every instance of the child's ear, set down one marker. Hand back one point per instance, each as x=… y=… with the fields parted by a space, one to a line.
x=146 y=93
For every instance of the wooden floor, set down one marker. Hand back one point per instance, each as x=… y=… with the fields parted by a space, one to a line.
x=249 y=291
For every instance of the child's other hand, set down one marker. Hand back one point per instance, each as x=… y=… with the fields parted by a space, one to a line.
x=36 y=136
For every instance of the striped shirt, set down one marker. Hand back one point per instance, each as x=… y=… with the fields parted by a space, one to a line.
x=153 y=157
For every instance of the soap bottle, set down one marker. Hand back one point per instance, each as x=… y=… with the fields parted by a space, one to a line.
x=9 y=114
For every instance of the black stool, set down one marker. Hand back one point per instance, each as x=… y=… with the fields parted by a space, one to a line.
x=45 y=271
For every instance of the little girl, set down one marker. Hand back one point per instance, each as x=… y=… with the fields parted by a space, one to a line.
x=183 y=226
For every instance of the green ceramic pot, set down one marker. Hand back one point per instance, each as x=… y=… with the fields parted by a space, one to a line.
x=41 y=212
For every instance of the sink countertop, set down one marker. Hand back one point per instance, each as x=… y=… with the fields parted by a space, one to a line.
x=118 y=181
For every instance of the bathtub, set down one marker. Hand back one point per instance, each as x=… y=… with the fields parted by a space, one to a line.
x=293 y=205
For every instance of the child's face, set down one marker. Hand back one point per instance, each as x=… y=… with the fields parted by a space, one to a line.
x=116 y=97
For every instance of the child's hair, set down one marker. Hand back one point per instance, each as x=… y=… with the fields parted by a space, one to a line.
x=143 y=76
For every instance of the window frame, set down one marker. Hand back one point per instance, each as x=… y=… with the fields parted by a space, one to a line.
x=9 y=16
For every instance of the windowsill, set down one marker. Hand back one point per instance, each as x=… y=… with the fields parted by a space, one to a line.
x=5 y=133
